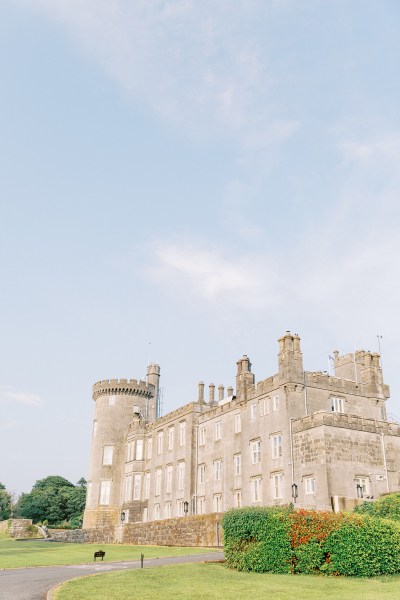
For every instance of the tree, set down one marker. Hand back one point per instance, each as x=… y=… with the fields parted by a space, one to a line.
x=53 y=498
x=5 y=503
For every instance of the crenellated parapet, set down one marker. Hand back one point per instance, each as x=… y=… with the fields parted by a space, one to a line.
x=126 y=387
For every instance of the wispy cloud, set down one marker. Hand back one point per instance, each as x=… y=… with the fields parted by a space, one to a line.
x=198 y=65
x=209 y=274
x=350 y=288
x=5 y=425
x=11 y=395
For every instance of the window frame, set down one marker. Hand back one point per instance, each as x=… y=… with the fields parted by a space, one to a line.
x=255 y=451
x=108 y=455
x=105 y=492
x=277 y=445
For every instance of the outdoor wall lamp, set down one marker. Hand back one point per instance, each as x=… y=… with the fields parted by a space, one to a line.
x=294 y=492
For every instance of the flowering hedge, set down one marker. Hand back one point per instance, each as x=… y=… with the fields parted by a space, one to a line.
x=281 y=540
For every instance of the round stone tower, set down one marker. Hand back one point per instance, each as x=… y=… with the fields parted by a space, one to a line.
x=116 y=403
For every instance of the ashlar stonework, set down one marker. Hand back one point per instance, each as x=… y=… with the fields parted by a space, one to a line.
x=317 y=439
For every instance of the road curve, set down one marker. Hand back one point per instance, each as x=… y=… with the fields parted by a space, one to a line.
x=33 y=583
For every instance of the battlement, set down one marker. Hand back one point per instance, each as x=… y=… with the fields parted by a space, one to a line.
x=345 y=421
x=128 y=387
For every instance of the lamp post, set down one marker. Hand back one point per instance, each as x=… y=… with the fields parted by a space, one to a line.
x=186 y=507
x=294 y=492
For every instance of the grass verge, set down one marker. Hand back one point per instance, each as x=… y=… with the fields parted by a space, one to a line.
x=215 y=581
x=34 y=554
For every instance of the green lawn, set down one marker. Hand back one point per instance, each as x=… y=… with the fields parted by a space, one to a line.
x=215 y=581
x=34 y=553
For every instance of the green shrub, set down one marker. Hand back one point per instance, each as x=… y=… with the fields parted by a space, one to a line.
x=281 y=541
x=387 y=507
x=366 y=547
x=257 y=539
x=309 y=557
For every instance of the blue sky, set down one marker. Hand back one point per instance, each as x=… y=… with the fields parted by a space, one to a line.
x=182 y=182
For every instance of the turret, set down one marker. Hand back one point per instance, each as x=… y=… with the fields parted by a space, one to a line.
x=244 y=377
x=153 y=378
x=117 y=401
x=290 y=359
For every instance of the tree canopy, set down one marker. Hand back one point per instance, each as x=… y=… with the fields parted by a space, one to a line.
x=5 y=503
x=54 y=499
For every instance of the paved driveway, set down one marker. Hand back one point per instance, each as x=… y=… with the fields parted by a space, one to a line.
x=33 y=583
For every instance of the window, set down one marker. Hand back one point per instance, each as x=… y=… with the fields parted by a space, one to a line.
x=310 y=485
x=180 y=508
x=253 y=411
x=278 y=486
x=108 y=455
x=158 y=481
x=264 y=407
x=217 y=503
x=276 y=446
x=149 y=447
x=136 y=486
x=237 y=464
x=217 y=431
x=201 y=506
x=167 y=510
x=156 y=512
x=217 y=469
x=145 y=517
x=337 y=405
x=256 y=451
x=105 y=491
x=112 y=400
x=168 y=479
x=202 y=473
x=362 y=486
x=256 y=489
x=171 y=432
x=147 y=480
x=160 y=439
x=129 y=451
x=181 y=476
x=237 y=498
x=202 y=436
x=275 y=403
x=182 y=433
x=139 y=449
x=127 y=487
x=94 y=428
x=238 y=423
x=383 y=412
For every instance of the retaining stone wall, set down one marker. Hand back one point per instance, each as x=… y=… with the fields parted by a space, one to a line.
x=84 y=536
x=19 y=528
x=198 y=530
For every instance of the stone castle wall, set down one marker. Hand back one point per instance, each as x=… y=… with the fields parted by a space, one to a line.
x=198 y=530
x=104 y=535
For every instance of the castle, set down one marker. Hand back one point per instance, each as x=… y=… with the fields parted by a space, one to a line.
x=319 y=440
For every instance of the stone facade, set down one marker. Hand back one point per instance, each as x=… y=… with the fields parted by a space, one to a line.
x=318 y=439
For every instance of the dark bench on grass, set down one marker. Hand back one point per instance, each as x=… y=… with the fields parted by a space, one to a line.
x=99 y=554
